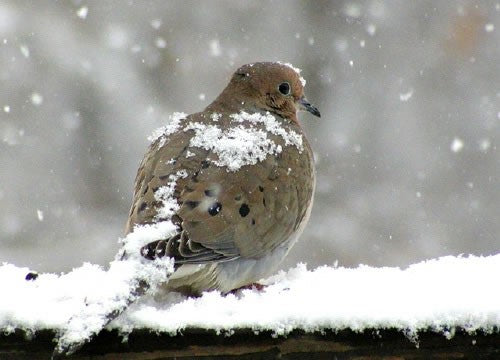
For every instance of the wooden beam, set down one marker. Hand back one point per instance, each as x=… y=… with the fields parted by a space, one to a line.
x=198 y=343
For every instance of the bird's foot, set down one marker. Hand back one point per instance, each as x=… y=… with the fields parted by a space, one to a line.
x=253 y=286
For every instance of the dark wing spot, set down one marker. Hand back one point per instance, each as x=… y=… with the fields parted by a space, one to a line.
x=215 y=208
x=192 y=204
x=253 y=221
x=143 y=206
x=176 y=220
x=244 y=210
x=205 y=164
x=264 y=202
x=261 y=189
x=210 y=192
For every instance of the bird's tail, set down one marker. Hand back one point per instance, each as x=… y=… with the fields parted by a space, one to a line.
x=78 y=332
x=124 y=283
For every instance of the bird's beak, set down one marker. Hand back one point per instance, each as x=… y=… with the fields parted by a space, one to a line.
x=306 y=105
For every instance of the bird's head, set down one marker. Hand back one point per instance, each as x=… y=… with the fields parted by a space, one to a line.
x=271 y=86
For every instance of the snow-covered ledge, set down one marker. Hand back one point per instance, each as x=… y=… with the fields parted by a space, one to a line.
x=438 y=297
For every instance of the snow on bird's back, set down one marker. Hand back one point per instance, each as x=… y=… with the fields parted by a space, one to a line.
x=245 y=141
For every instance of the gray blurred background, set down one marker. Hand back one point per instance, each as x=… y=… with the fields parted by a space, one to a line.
x=409 y=91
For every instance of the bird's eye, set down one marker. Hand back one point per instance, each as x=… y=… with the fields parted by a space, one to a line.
x=284 y=88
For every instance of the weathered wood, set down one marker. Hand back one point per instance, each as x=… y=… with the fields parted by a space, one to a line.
x=244 y=344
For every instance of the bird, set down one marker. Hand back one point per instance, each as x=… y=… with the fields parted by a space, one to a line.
x=236 y=183
x=241 y=177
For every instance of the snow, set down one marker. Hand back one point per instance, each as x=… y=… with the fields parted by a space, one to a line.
x=457 y=145
x=404 y=97
x=82 y=12
x=215 y=49
x=156 y=23
x=116 y=36
x=438 y=294
x=36 y=99
x=484 y=145
x=371 y=29
x=79 y=304
x=165 y=195
x=25 y=51
x=215 y=116
x=235 y=147
x=272 y=125
x=166 y=130
x=160 y=43
x=352 y=10
x=243 y=143
x=297 y=70
x=110 y=292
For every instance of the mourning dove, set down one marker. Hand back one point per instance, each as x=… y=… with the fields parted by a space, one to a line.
x=237 y=179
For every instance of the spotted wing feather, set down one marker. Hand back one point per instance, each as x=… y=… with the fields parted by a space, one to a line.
x=222 y=214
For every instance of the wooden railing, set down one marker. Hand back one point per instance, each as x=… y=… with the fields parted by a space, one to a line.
x=245 y=344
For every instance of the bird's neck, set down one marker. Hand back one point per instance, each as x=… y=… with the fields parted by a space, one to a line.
x=234 y=99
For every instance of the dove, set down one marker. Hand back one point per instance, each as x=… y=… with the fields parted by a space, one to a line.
x=235 y=182
x=242 y=173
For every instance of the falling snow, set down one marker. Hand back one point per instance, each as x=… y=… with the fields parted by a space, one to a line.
x=160 y=43
x=371 y=29
x=82 y=12
x=36 y=99
x=484 y=145
x=96 y=99
x=25 y=51
x=156 y=23
x=215 y=49
x=406 y=96
x=489 y=27
x=457 y=145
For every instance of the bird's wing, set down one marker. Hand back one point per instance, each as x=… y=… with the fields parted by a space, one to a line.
x=222 y=214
